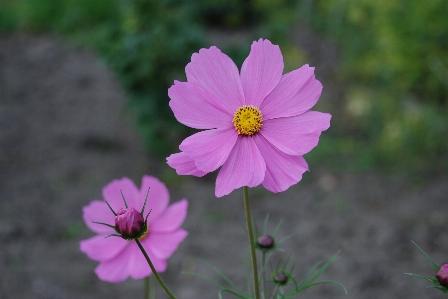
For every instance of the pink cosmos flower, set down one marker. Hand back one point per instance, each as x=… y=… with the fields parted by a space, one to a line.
x=258 y=121
x=117 y=258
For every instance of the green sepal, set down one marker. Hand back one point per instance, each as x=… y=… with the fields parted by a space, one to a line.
x=112 y=210
x=109 y=225
x=113 y=235
x=140 y=234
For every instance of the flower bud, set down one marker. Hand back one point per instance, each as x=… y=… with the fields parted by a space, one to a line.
x=129 y=223
x=265 y=241
x=280 y=278
x=442 y=275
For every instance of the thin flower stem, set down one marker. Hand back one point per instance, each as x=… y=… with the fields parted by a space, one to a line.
x=154 y=272
x=251 y=241
x=146 y=281
x=274 y=293
x=152 y=287
x=264 y=272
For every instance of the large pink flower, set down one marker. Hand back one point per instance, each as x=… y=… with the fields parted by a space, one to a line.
x=117 y=258
x=259 y=123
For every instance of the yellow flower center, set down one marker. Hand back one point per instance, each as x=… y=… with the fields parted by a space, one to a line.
x=145 y=234
x=247 y=120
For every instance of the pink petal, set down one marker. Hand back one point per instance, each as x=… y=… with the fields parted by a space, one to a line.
x=217 y=73
x=297 y=92
x=261 y=71
x=171 y=219
x=158 y=197
x=210 y=149
x=196 y=107
x=184 y=165
x=282 y=170
x=98 y=211
x=117 y=268
x=137 y=265
x=159 y=264
x=130 y=262
x=163 y=245
x=296 y=135
x=100 y=248
x=244 y=167
x=112 y=193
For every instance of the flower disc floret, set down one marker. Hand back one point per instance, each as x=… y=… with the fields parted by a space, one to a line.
x=247 y=120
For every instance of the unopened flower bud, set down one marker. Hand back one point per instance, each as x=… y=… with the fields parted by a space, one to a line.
x=280 y=278
x=442 y=275
x=129 y=223
x=265 y=241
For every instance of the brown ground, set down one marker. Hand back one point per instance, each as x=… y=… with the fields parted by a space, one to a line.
x=65 y=133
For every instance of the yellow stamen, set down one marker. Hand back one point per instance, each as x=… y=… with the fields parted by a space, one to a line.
x=247 y=120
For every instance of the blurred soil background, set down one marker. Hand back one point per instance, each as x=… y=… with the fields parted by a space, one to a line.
x=83 y=100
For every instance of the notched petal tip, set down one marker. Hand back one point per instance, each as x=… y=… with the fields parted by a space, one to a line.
x=262 y=40
x=204 y=51
x=266 y=43
x=261 y=71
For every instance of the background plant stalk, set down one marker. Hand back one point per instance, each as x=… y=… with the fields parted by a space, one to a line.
x=251 y=241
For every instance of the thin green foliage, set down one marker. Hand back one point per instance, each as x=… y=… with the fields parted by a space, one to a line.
x=291 y=289
x=229 y=288
x=436 y=267
x=309 y=280
x=433 y=280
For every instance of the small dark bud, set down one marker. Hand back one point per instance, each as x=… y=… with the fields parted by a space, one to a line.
x=265 y=241
x=280 y=278
x=129 y=223
x=442 y=275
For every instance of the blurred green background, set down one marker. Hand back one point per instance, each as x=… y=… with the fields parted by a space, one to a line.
x=392 y=65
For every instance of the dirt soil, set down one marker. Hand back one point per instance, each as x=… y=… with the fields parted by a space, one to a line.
x=65 y=133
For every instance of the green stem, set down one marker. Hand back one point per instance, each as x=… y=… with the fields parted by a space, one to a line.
x=154 y=272
x=150 y=288
x=274 y=293
x=264 y=272
x=146 y=281
x=252 y=243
